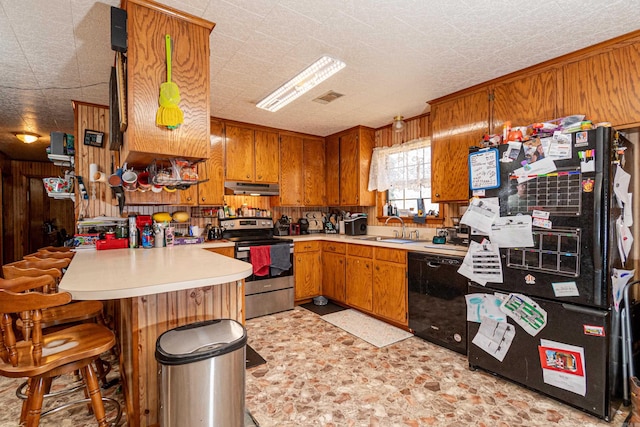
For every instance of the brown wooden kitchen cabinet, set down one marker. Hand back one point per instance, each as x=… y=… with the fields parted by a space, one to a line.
x=390 y=285
x=457 y=124
x=332 y=169
x=602 y=86
x=333 y=270
x=525 y=100
x=313 y=166
x=147 y=24
x=291 y=177
x=302 y=172
x=251 y=155
x=359 y=277
x=348 y=157
x=307 y=269
x=226 y=251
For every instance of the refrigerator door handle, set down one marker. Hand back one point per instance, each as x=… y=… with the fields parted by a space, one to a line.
x=597 y=250
x=585 y=310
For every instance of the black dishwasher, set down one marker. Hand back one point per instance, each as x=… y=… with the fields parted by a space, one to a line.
x=437 y=307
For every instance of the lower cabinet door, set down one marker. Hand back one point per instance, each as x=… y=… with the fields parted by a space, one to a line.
x=359 y=278
x=307 y=273
x=390 y=291
x=333 y=275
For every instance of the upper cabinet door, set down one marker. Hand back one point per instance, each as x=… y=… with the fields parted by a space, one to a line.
x=211 y=192
x=605 y=87
x=147 y=24
x=457 y=124
x=291 y=190
x=267 y=157
x=332 y=170
x=526 y=100
x=240 y=154
x=349 y=169
x=314 y=172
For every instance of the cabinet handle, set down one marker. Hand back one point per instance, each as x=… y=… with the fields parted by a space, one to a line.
x=437 y=194
x=259 y=176
x=203 y=199
x=188 y=199
x=377 y=268
x=340 y=262
x=248 y=176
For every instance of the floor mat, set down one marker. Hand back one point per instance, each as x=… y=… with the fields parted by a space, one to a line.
x=322 y=310
x=253 y=358
x=367 y=328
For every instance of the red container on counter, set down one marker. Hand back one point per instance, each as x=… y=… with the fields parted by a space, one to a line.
x=111 y=242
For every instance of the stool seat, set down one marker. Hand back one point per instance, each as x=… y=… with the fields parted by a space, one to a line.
x=40 y=255
x=42 y=357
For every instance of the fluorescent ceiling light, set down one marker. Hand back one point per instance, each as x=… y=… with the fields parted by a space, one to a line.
x=312 y=76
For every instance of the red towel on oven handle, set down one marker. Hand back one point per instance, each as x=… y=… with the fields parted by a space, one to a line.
x=260 y=259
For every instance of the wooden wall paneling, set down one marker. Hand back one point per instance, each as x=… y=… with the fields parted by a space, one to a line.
x=605 y=87
x=16 y=232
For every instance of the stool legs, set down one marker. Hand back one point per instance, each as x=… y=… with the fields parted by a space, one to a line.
x=93 y=388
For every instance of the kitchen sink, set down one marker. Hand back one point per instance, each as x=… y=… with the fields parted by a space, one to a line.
x=370 y=238
x=402 y=241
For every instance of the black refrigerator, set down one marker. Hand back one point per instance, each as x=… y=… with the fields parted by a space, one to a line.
x=574 y=357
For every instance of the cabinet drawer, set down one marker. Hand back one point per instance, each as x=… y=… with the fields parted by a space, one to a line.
x=360 y=250
x=338 y=248
x=306 y=246
x=391 y=255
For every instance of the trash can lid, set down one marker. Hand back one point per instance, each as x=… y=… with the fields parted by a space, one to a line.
x=199 y=341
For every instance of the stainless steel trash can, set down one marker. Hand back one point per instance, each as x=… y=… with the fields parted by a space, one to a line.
x=202 y=374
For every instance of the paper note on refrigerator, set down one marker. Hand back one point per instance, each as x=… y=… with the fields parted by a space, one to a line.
x=482 y=263
x=619 y=279
x=624 y=238
x=526 y=312
x=495 y=337
x=563 y=366
x=512 y=232
x=480 y=214
x=484 y=305
x=621 y=182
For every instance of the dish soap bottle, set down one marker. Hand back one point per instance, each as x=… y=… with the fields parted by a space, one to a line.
x=147 y=237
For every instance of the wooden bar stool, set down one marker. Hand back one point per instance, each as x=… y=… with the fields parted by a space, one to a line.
x=78 y=311
x=42 y=254
x=56 y=249
x=43 y=357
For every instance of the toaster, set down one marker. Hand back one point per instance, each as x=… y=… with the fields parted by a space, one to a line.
x=355 y=226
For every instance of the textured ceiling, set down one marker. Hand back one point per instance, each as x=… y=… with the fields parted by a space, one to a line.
x=399 y=54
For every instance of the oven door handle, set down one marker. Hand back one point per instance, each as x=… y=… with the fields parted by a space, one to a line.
x=246 y=248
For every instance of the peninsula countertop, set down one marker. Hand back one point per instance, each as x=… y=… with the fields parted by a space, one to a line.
x=125 y=273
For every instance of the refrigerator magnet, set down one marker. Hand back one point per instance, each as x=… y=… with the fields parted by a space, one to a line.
x=596 y=331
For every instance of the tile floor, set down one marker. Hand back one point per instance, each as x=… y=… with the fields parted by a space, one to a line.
x=318 y=375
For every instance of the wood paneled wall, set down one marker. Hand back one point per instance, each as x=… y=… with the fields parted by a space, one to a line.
x=16 y=216
x=94 y=117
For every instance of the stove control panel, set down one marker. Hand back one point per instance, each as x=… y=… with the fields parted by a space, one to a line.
x=245 y=223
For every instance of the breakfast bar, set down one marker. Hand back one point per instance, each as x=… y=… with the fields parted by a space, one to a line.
x=153 y=291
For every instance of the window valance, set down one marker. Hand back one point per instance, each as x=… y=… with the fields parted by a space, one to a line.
x=403 y=166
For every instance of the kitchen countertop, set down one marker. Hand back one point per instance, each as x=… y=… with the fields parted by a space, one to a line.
x=124 y=273
x=419 y=246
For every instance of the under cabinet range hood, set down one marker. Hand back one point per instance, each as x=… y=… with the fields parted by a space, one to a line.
x=251 y=188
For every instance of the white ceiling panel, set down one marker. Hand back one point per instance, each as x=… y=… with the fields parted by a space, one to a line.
x=399 y=54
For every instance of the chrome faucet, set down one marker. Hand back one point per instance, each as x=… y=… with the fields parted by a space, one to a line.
x=401 y=222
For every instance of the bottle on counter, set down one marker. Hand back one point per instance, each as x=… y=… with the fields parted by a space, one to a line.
x=133 y=232
x=169 y=235
x=147 y=237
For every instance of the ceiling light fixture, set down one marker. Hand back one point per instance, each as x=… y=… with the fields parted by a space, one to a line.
x=27 y=137
x=398 y=124
x=312 y=76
